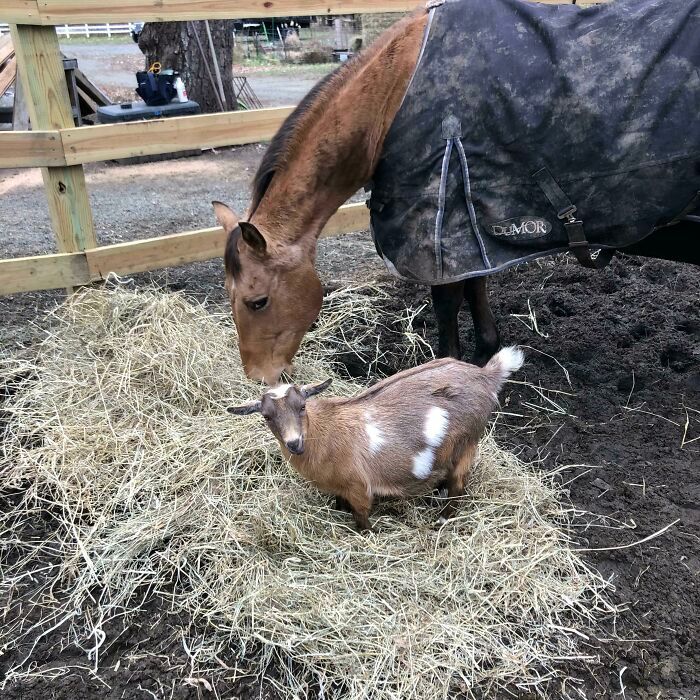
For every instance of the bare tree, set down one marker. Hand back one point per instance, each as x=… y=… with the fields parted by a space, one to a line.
x=175 y=45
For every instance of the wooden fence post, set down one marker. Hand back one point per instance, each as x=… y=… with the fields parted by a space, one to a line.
x=20 y=115
x=44 y=87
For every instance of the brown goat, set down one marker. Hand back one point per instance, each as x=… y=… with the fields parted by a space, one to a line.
x=407 y=435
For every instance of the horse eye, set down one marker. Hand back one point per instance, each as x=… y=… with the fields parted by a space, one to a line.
x=257 y=304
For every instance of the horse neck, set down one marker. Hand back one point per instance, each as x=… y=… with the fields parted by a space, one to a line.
x=338 y=142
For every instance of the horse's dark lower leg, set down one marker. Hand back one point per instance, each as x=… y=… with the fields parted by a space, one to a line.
x=485 y=329
x=447 y=300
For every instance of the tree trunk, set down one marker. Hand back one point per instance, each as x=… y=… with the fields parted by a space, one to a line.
x=174 y=45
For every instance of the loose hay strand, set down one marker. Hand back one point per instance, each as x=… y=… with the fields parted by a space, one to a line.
x=118 y=432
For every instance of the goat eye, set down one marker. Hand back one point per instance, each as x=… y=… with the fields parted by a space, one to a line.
x=257 y=304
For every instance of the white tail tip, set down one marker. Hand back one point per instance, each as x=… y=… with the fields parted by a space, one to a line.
x=510 y=359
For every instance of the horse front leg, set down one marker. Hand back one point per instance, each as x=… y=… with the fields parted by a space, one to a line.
x=447 y=300
x=486 y=335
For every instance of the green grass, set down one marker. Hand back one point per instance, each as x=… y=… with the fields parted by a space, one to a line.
x=95 y=40
x=270 y=67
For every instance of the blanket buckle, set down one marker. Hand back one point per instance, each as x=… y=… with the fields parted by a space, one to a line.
x=566 y=209
x=567 y=213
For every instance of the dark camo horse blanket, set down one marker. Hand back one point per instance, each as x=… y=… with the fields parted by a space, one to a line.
x=526 y=126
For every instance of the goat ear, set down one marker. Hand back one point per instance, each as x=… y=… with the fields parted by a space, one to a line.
x=253 y=237
x=225 y=216
x=245 y=409
x=313 y=389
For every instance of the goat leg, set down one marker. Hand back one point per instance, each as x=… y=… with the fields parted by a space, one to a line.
x=457 y=478
x=360 y=505
x=342 y=505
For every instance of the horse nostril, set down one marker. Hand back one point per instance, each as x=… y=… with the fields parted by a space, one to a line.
x=296 y=447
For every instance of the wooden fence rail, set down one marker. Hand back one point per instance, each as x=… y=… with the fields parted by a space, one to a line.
x=31 y=149
x=100 y=11
x=94 y=264
x=109 y=141
x=90 y=144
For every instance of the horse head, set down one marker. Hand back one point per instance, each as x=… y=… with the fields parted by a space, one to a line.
x=274 y=291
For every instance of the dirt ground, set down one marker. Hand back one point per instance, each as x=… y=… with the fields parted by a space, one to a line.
x=628 y=337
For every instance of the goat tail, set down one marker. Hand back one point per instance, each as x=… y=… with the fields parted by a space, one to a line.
x=503 y=364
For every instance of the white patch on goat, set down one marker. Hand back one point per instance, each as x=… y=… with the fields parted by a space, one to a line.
x=280 y=391
x=423 y=463
x=374 y=434
x=434 y=430
x=436 y=422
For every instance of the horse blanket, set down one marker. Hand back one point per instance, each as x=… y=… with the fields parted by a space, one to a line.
x=529 y=128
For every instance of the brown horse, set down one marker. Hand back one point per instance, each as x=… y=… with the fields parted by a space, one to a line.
x=326 y=151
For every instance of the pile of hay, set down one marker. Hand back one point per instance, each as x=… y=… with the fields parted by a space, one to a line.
x=118 y=430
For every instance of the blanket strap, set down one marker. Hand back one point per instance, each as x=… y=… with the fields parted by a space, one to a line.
x=578 y=244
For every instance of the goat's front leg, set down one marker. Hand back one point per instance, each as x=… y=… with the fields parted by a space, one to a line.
x=447 y=300
x=360 y=505
x=485 y=329
x=342 y=505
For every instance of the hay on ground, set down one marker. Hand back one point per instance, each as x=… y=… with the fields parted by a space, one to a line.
x=118 y=430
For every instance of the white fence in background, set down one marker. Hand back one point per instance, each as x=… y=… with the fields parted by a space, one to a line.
x=87 y=30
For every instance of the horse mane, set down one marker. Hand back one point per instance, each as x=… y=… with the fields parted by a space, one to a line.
x=283 y=142
x=279 y=147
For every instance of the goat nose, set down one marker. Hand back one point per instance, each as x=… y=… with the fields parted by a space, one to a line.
x=296 y=447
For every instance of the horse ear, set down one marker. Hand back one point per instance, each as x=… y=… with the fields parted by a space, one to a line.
x=312 y=389
x=245 y=409
x=253 y=237
x=226 y=217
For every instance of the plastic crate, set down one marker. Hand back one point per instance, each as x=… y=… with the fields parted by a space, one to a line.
x=113 y=114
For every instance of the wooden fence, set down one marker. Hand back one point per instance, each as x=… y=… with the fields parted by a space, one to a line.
x=60 y=149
